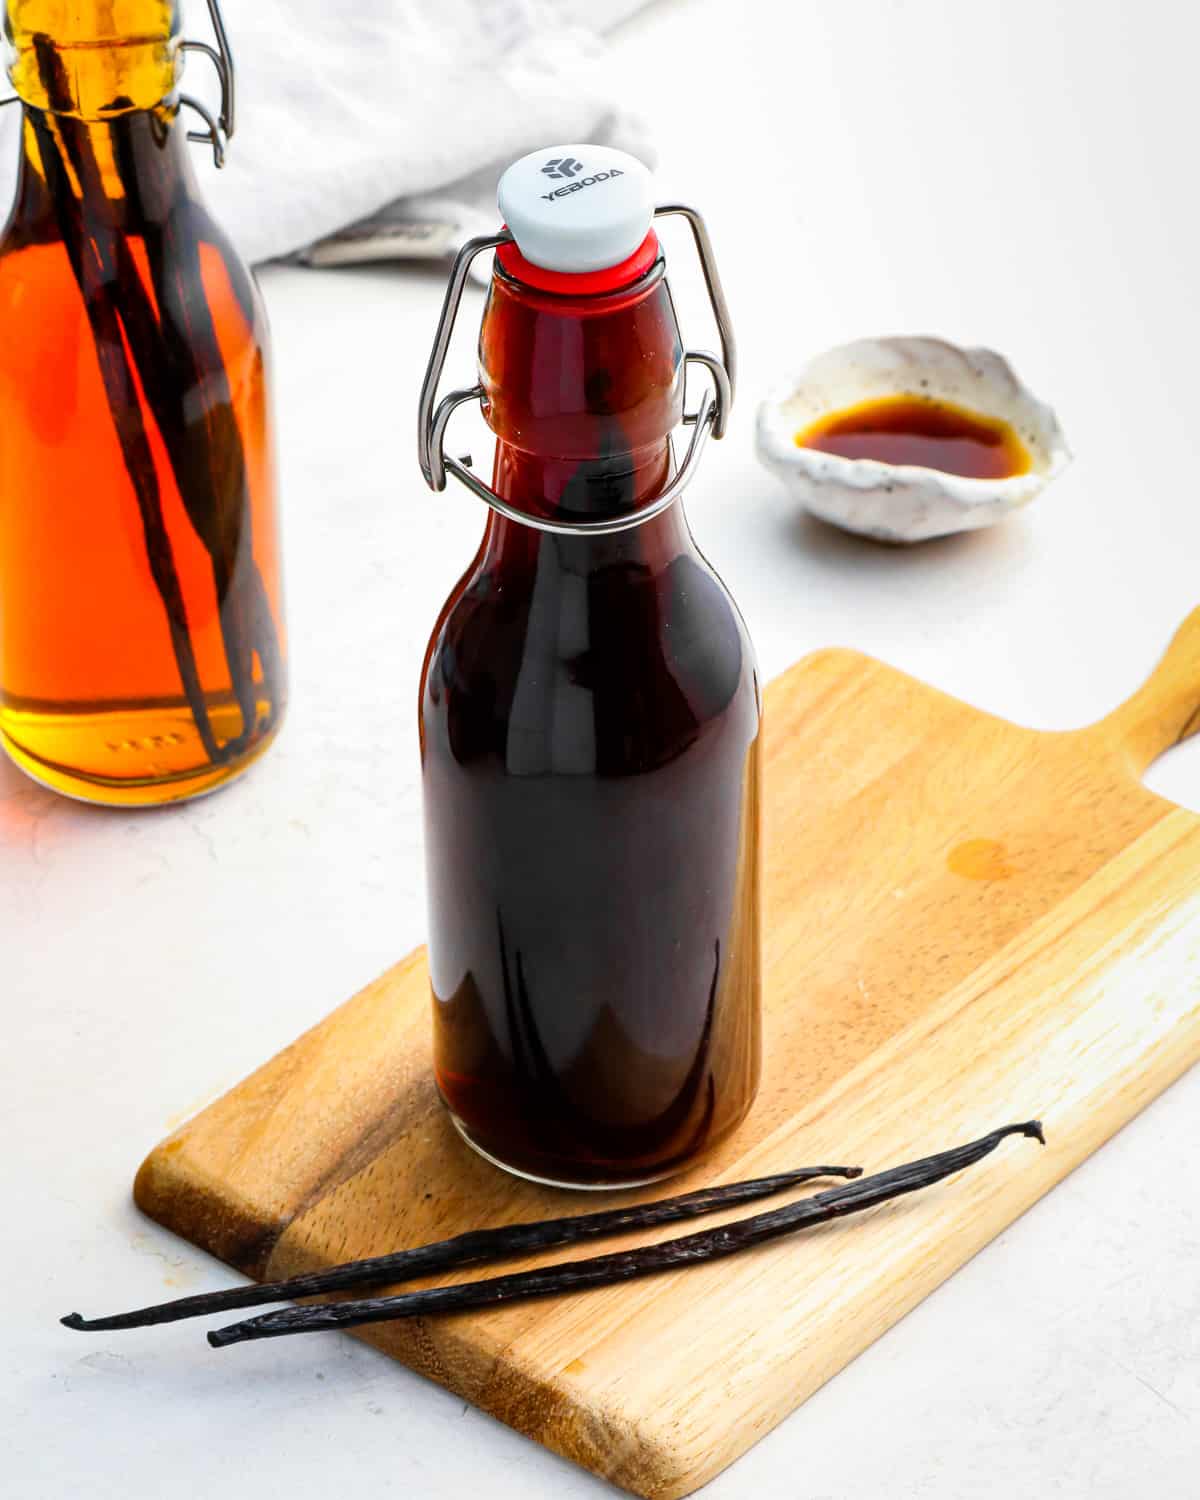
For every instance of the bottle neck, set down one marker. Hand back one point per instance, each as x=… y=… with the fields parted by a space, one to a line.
x=583 y=393
x=581 y=489
x=578 y=489
x=93 y=59
x=100 y=134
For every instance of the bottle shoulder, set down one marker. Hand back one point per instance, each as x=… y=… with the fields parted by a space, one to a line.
x=637 y=663
x=159 y=285
x=150 y=236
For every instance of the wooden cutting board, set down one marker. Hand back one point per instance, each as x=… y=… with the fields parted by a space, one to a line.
x=968 y=923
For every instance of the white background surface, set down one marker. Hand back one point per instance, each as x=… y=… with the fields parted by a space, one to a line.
x=1019 y=175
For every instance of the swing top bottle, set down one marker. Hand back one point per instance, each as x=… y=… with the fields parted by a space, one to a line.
x=141 y=632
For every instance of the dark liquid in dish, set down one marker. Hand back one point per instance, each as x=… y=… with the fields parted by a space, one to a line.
x=920 y=431
x=590 y=744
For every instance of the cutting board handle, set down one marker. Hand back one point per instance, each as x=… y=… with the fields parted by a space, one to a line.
x=1166 y=709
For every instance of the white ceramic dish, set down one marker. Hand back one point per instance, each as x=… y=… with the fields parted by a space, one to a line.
x=899 y=502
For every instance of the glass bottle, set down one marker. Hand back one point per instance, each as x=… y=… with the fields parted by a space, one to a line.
x=590 y=746
x=141 y=632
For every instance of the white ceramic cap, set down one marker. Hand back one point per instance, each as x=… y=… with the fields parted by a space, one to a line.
x=577 y=208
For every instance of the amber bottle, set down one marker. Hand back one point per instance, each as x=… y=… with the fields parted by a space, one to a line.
x=141 y=634
x=590 y=749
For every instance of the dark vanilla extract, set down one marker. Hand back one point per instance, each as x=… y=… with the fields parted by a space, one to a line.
x=590 y=743
x=921 y=431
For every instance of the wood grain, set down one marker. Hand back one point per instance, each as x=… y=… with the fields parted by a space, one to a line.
x=967 y=923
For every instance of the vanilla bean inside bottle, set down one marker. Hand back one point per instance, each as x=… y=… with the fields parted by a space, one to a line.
x=590 y=746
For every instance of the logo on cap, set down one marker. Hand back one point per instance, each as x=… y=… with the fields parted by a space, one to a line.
x=562 y=166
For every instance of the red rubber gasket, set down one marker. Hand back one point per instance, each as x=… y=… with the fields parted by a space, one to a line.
x=580 y=283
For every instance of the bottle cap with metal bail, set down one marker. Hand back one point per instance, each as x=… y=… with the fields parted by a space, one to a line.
x=579 y=220
x=575 y=210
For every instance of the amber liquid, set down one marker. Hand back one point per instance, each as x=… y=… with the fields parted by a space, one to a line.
x=590 y=748
x=921 y=431
x=141 y=652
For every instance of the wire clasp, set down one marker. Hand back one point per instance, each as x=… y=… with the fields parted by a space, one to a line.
x=219 y=132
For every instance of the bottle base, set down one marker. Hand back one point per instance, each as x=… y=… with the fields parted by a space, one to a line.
x=608 y=1185
x=160 y=737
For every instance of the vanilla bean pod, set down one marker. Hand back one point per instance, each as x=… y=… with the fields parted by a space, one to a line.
x=471 y=1248
x=182 y=357
x=628 y=1265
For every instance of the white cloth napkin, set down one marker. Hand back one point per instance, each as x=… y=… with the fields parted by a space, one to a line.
x=343 y=109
